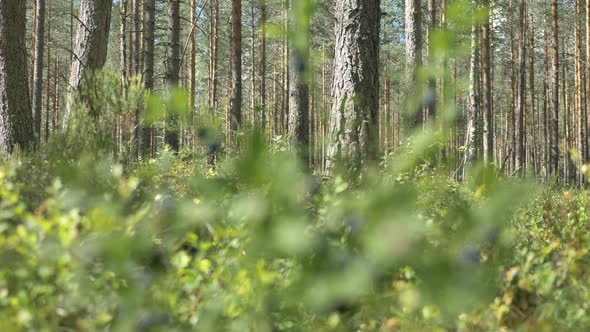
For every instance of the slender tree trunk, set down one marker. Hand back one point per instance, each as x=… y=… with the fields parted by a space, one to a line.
x=90 y=50
x=55 y=93
x=148 y=74
x=579 y=95
x=262 y=60
x=171 y=137
x=16 y=121
x=286 y=72
x=473 y=110
x=193 y=61
x=520 y=163
x=431 y=93
x=48 y=97
x=546 y=116
x=123 y=41
x=535 y=150
x=215 y=56
x=488 y=116
x=413 y=54
x=38 y=66
x=513 y=112
x=355 y=90
x=299 y=89
x=236 y=52
x=388 y=139
x=137 y=37
x=32 y=51
x=554 y=140
x=254 y=112
x=586 y=144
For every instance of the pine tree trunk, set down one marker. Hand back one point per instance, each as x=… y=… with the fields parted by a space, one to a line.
x=299 y=89
x=431 y=93
x=148 y=74
x=171 y=137
x=16 y=121
x=38 y=66
x=193 y=60
x=262 y=61
x=90 y=50
x=488 y=116
x=413 y=54
x=473 y=109
x=253 y=111
x=48 y=98
x=55 y=93
x=535 y=150
x=554 y=137
x=578 y=91
x=520 y=162
x=235 y=120
x=355 y=90
x=136 y=37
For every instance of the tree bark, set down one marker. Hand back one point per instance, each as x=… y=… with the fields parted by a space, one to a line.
x=554 y=141
x=16 y=122
x=90 y=49
x=354 y=114
x=473 y=110
x=236 y=52
x=520 y=162
x=148 y=74
x=431 y=93
x=38 y=65
x=171 y=137
x=299 y=88
x=262 y=61
x=488 y=116
x=413 y=54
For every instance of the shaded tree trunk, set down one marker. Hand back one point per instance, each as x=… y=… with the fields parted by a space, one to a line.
x=473 y=110
x=16 y=122
x=148 y=74
x=299 y=88
x=171 y=137
x=520 y=162
x=90 y=49
x=354 y=130
x=486 y=81
x=413 y=54
x=262 y=61
x=236 y=81
x=554 y=136
x=38 y=65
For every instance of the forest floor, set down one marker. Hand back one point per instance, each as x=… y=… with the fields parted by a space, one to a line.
x=257 y=245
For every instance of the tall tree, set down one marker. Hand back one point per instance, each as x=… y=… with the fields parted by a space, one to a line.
x=193 y=60
x=148 y=75
x=90 y=48
x=554 y=136
x=521 y=99
x=486 y=82
x=38 y=65
x=473 y=109
x=262 y=60
x=354 y=130
x=431 y=106
x=299 y=89
x=171 y=137
x=413 y=52
x=16 y=123
x=236 y=55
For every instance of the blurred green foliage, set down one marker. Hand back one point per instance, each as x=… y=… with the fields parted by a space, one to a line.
x=258 y=245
